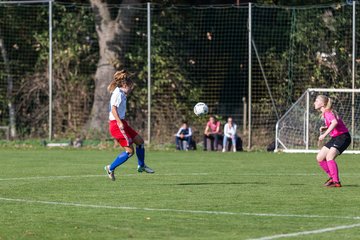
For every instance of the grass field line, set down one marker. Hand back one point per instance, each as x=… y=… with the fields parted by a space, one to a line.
x=164 y=174
x=98 y=175
x=70 y=204
x=318 y=231
x=49 y=177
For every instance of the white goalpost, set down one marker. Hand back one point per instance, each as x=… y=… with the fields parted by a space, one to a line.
x=298 y=129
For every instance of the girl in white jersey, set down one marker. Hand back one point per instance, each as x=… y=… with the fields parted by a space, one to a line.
x=229 y=133
x=120 y=87
x=340 y=140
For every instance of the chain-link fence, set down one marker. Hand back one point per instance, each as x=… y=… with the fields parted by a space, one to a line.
x=196 y=54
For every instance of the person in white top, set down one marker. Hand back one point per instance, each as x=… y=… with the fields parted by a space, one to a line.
x=120 y=87
x=229 y=133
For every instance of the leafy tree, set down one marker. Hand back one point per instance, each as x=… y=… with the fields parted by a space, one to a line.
x=173 y=89
x=17 y=56
x=112 y=25
x=74 y=59
x=123 y=44
x=316 y=52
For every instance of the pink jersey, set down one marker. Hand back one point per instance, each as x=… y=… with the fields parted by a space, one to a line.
x=213 y=126
x=340 y=127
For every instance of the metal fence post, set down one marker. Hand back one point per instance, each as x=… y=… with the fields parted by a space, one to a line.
x=249 y=77
x=149 y=68
x=50 y=70
x=353 y=72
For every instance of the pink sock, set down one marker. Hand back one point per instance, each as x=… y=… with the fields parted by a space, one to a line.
x=333 y=170
x=324 y=165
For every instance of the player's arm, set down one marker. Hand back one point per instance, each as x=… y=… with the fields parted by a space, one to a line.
x=178 y=133
x=235 y=128
x=206 y=132
x=190 y=133
x=323 y=128
x=226 y=130
x=218 y=127
x=333 y=124
x=116 y=116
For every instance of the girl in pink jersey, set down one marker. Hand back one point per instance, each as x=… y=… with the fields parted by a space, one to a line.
x=340 y=140
x=120 y=87
x=212 y=132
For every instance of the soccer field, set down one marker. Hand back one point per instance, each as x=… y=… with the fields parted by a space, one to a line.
x=65 y=194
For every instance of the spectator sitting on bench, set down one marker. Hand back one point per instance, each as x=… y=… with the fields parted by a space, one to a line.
x=229 y=134
x=212 y=132
x=183 y=137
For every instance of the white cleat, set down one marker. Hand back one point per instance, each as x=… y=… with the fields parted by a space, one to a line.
x=110 y=174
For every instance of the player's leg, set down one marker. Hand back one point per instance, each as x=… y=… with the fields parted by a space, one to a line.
x=216 y=141
x=120 y=159
x=124 y=140
x=178 y=143
x=340 y=144
x=233 y=139
x=190 y=141
x=321 y=159
x=211 y=137
x=205 y=142
x=121 y=137
x=140 y=150
x=334 y=171
x=140 y=153
x=182 y=143
x=225 y=139
x=134 y=137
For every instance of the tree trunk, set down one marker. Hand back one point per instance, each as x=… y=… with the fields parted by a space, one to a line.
x=9 y=88
x=111 y=41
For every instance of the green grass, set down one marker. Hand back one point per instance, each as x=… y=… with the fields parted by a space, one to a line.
x=64 y=194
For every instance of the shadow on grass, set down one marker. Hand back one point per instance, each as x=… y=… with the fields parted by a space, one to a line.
x=351 y=185
x=218 y=183
x=237 y=183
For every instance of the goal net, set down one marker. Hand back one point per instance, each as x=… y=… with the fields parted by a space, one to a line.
x=298 y=129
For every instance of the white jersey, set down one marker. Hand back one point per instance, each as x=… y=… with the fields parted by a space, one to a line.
x=118 y=99
x=230 y=131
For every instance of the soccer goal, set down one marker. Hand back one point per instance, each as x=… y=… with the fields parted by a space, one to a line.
x=298 y=129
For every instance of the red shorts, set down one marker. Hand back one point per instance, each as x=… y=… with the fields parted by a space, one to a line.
x=125 y=136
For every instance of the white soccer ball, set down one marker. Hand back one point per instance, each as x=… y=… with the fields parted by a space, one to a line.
x=201 y=109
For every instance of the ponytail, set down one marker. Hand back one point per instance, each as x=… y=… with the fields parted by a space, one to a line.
x=112 y=86
x=328 y=105
x=121 y=78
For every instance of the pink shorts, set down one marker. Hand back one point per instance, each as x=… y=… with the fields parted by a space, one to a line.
x=125 y=136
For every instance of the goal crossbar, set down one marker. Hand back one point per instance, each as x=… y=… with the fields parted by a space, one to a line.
x=347 y=90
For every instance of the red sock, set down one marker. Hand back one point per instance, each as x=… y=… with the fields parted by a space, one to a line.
x=323 y=164
x=333 y=170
